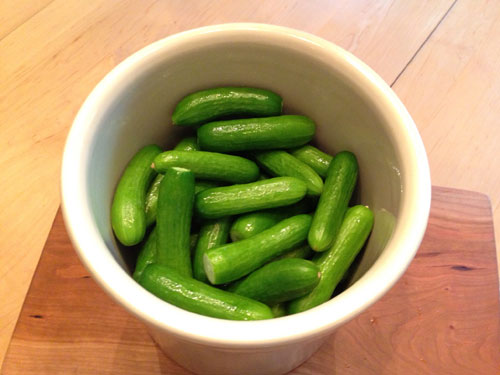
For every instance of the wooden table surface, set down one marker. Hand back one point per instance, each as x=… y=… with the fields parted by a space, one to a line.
x=440 y=56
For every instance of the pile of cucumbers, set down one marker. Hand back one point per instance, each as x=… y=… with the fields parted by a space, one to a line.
x=245 y=221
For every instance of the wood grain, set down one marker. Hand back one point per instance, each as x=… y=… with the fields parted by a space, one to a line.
x=452 y=90
x=440 y=318
x=52 y=52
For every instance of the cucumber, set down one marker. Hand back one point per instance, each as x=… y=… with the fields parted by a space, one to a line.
x=202 y=185
x=198 y=297
x=339 y=185
x=232 y=261
x=209 y=165
x=128 y=218
x=316 y=159
x=256 y=134
x=207 y=105
x=186 y=144
x=193 y=241
x=335 y=262
x=248 y=225
x=302 y=252
x=152 y=196
x=237 y=199
x=279 y=281
x=151 y=204
x=279 y=310
x=147 y=255
x=173 y=221
x=213 y=233
x=281 y=163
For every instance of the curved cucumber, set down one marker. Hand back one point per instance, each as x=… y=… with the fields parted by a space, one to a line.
x=151 y=204
x=198 y=297
x=213 y=233
x=173 y=222
x=128 y=217
x=230 y=262
x=313 y=157
x=186 y=144
x=202 y=185
x=238 y=199
x=147 y=255
x=207 y=105
x=209 y=165
x=302 y=252
x=256 y=134
x=281 y=163
x=250 y=224
x=335 y=262
x=280 y=281
x=338 y=188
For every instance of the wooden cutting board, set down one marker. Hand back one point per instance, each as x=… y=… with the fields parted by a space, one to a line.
x=442 y=317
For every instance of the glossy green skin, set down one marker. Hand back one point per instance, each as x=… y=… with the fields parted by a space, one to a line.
x=201 y=185
x=280 y=281
x=248 y=225
x=128 y=217
x=302 y=252
x=213 y=233
x=339 y=185
x=281 y=163
x=232 y=261
x=316 y=159
x=147 y=255
x=335 y=262
x=198 y=297
x=173 y=221
x=186 y=144
x=279 y=310
x=151 y=205
x=207 y=105
x=238 y=199
x=152 y=196
x=209 y=165
x=266 y=133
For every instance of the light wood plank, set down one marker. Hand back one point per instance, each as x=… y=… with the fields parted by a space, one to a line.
x=452 y=89
x=52 y=61
x=14 y=13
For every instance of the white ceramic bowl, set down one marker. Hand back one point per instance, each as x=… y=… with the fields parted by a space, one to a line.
x=354 y=110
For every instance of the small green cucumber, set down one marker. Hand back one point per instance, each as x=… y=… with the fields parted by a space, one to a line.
x=128 y=217
x=147 y=255
x=202 y=185
x=230 y=262
x=151 y=206
x=302 y=252
x=209 y=165
x=206 y=105
x=339 y=185
x=256 y=134
x=213 y=233
x=281 y=163
x=196 y=296
x=279 y=310
x=313 y=157
x=187 y=144
x=280 y=281
x=248 y=225
x=237 y=199
x=335 y=262
x=173 y=221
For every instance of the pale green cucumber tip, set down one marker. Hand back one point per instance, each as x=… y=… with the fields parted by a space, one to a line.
x=209 y=271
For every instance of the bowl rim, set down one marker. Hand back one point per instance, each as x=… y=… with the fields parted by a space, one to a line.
x=316 y=322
